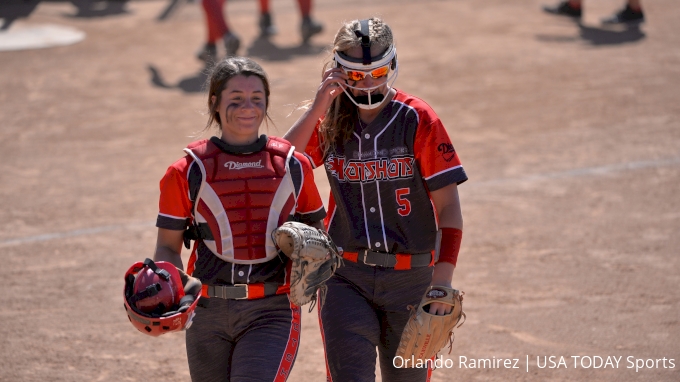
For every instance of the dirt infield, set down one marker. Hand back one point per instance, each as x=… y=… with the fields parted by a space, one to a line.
x=570 y=136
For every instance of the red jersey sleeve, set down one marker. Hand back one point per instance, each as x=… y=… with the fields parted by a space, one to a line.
x=313 y=151
x=436 y=157
x=310 y=208
x=174 y=206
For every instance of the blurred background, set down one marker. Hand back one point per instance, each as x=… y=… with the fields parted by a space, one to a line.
x=569 y=132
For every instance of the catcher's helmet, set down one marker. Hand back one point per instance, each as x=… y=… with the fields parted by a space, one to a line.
x=155 y=299
x=388 y=58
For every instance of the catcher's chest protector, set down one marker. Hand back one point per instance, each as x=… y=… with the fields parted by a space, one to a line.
x=244 y=197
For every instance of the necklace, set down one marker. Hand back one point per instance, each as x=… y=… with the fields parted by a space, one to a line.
x=361 y=124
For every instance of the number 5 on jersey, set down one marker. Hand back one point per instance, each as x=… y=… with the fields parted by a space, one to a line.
x=404 y=204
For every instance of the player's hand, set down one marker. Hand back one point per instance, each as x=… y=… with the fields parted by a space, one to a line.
x=441 y=276
x=331 y=86
x=440 y=309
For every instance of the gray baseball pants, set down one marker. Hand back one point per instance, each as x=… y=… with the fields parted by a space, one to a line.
x=244 y=340
x=366 y=309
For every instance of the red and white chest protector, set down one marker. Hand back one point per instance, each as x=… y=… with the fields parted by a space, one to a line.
x=243 y=197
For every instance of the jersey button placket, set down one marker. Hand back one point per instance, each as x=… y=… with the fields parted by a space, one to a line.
x=372 y=209
x=367 y=136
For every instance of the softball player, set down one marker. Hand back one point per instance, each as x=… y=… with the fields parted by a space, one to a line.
x=216 y=23
x=229 y=194
x=393 y=174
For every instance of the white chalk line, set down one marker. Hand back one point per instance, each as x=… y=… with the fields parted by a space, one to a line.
x=587 y=171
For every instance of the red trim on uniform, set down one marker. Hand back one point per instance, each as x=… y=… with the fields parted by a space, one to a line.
x=313 y=148
x=192 y=260
x=430 y=370
x=331 y=211
x=329 y=377
x=255 y=291
x=350 y=256
x=212 y=223
x=403 y=259
x=285 y=288
x=433 y=258
x=450 y=245
x=403 y=262
x=291 y=347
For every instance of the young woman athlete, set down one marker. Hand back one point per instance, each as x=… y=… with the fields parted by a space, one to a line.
x=229 y=193
x=394 y=175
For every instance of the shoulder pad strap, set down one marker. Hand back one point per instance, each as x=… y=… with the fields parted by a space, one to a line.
x=278 y=146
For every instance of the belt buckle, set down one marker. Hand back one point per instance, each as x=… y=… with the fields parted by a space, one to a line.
x=242 y=285
x=217 y=291
x=366 y=257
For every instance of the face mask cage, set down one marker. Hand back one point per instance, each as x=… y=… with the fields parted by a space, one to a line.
x=374 y=99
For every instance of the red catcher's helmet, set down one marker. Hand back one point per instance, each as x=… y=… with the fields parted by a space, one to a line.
x=155 y=300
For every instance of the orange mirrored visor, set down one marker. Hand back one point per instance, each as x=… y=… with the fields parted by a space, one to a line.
x=358 y=75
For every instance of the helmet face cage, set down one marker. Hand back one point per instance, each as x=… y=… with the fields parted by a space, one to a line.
x=389 y=57
x=155 y=323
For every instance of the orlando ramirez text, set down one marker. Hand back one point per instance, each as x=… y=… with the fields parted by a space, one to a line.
x=487 y=363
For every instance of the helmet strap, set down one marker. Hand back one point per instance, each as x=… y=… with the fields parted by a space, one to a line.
x=364 y=34
x=149 y=291
x=162 y=273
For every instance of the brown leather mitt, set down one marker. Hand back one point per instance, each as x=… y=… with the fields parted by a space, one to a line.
x=425 y=334
x=315 y=259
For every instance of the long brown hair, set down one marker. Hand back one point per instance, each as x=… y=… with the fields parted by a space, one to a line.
x=338 y=125
x=219 y=76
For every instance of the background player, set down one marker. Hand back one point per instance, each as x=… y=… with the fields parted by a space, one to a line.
x=308 y=26
x=389 y=160
x=631 y=14
x=235 y=190
x=218 y=28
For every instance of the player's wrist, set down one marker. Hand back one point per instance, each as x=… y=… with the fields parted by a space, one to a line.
x=442 y=275
x=318 y=108
x=449 y=246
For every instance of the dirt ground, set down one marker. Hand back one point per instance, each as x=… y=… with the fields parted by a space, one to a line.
x=570 y=135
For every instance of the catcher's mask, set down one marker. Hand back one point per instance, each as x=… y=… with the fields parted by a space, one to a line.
x=155 y=299
x=368 y=65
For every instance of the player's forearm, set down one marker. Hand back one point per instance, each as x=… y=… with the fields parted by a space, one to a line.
x=443 y=274
x=450 y=214
x=301 y=131
x=167 y=254
x=447 y=204
x=169 y=247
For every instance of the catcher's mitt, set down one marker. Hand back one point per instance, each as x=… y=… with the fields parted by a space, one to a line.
x=315 y=259
x=425 y=334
